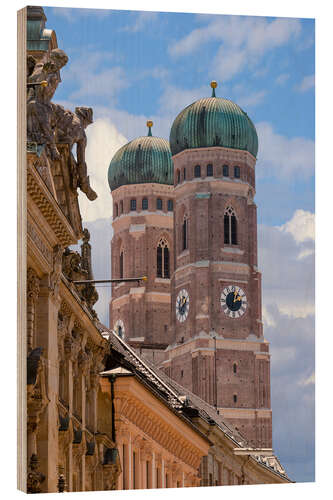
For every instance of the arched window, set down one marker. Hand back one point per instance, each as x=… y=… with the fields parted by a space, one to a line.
x=184 y=174
x=133 y=205
x=144 y=204
x=235 y=398
x=121 y=206
x=116 y=209
x=185 y=234
x=209 y=170
x=235 y=367
x=163 y=259
x=237 y=172
x=121 y=265
x=159 y=204
x=225 y=171
x=230 y=227
x=197 y=171
x=178 y=176
x=170 y=205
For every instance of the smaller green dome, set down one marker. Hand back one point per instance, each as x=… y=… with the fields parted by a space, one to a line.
x=141 y=161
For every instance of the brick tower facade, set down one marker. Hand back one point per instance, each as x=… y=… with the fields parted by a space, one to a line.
x=217 y=347
x=142 y=244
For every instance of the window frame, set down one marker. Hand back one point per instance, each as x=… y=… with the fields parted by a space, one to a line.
x=197 y=170
x=144 y=203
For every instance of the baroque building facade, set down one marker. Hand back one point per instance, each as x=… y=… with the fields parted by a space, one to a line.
x=97 y=415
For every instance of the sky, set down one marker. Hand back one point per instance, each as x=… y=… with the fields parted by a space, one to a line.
x=134 y=66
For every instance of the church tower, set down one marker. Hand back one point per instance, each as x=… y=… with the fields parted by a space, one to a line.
x=141 y=181
x=217 y=347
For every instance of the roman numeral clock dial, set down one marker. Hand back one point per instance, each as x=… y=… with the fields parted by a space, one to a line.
x=182 y=305
x=233 y=301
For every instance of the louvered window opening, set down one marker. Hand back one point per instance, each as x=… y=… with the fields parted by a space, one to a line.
x=230 y=227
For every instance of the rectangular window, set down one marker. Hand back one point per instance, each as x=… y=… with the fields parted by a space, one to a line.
x=226 y=230
x=166 y=263
x=184 y=174
x=237 y=172
x=225 y=171
x=209 y=170
x=159 y=262
x=170 y=205
x=184 y=234
x=233 y=230
x=124 y=466
x=121 y=265
x=133 y=205
x=159 y=204
x=197 y=171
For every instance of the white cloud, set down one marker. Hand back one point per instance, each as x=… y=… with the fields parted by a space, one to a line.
x=103 y=142
x=307 y=83
x=244 y=40
x=141 y=21
x=301 y=226
x=288 y=280
x=281 y=157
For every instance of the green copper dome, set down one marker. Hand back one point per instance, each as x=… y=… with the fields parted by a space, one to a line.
x=143 y=160
x=213 y=121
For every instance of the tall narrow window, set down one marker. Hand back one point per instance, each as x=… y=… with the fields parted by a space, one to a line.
x=237 y=172
x=116 y=209
x=185 y=233
x=197 y=171
x=225 y=171
x=230 y=227
x=235 y=398
x=144 y=204
x=159 y=204
x=235 y=367
x=121 y=265
x=124 y=471
x=134 y=470
x=178 y=176
x=121 y=206
x=184 y=174
x=163 y=259
x=209 y=170
x=133 y=205
x=170 y=205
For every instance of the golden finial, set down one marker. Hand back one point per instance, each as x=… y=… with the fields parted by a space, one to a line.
x=149 y=125
x=213 y=84
x=43 y=83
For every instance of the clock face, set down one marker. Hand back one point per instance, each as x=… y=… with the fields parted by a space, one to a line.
x=182 y=305
x=233 y=301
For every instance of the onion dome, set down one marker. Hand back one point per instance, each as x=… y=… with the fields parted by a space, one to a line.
x=210 y=122
x=141 y=161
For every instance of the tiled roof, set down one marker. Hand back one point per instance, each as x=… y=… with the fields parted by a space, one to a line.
x=181 y=400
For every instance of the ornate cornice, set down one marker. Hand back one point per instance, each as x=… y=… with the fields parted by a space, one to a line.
x=49 y=208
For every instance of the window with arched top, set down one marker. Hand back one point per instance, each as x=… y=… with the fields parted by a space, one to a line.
x=159 y=204
x=230 y=226
x=178 y=176
x=116 y=209
x=170 y=205
x=163 y=259
x=225 y=170
x=237 y=172
x=197 y=171
x=121 y=206
x=235 y=367
x=184 y=174
x=209 y=170
x=144 y=204
x=235 y=398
